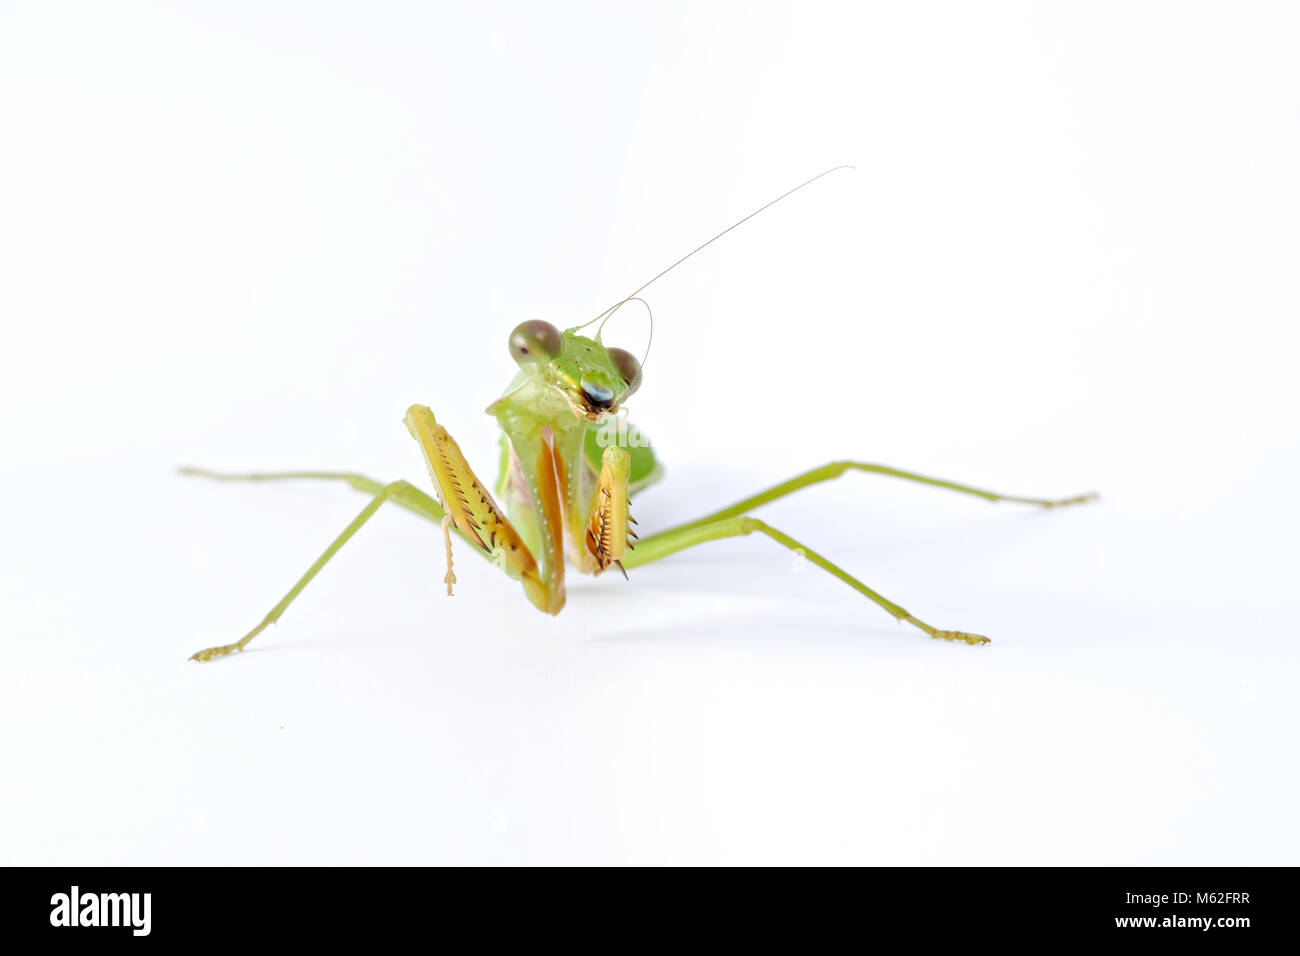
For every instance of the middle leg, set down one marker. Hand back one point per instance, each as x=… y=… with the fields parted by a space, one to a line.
x=399 y=491
x=688 y=536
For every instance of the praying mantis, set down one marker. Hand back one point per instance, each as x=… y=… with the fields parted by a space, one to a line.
x=569 y=464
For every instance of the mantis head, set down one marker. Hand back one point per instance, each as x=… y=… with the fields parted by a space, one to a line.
x=594 y=378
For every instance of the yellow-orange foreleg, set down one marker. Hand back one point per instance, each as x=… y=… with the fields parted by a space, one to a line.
x=471 y=508
x=609 y=522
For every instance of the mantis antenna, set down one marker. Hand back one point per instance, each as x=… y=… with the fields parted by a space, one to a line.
x=634 y=295
x=609 y=314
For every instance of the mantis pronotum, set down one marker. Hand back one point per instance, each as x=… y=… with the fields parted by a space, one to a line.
x=569 y=465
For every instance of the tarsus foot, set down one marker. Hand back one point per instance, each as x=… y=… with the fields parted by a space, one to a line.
x=1076 y=500
x=939 y=635
x=960 y=636
x=210 y=653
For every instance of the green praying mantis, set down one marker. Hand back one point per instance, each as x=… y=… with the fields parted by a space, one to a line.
x=569 y=464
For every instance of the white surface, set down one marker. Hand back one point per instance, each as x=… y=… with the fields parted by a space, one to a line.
x=250 y=236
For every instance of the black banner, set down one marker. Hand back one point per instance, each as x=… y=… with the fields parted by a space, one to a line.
x=1222 y=907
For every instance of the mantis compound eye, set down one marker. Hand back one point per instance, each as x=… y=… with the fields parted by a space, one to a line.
x=628 y=367
x=533 y=341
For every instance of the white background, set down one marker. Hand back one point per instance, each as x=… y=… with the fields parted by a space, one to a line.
x=249 y=236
